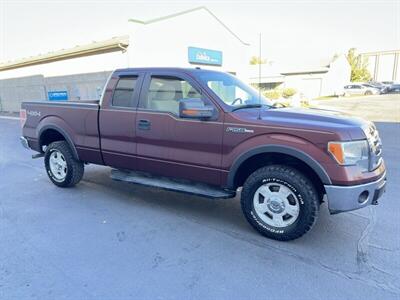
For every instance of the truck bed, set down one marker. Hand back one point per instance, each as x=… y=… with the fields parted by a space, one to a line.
x=79 y=120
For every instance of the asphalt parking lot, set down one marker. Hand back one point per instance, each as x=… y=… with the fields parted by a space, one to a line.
x=377 y=108
x=112 y=240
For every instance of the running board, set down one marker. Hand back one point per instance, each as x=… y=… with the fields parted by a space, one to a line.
x=171 y=184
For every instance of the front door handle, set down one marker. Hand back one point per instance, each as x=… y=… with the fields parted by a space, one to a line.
x=144 y=124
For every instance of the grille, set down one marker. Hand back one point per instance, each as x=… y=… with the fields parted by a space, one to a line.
x=375 y=146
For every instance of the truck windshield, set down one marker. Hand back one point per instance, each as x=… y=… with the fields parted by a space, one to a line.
x=232 y=91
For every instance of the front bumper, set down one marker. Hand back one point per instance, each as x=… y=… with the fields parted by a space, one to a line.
x=346 y=198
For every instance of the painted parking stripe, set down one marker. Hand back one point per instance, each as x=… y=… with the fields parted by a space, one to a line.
x=9 y=118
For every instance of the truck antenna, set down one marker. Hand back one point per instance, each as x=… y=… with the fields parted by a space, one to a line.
x=259 y=78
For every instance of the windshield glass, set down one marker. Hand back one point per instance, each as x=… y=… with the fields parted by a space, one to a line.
x=232 y=91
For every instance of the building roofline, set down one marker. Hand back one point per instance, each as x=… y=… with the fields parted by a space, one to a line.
x=188 y=11
x=300 y=72
x=380 y=52
x=114 y=44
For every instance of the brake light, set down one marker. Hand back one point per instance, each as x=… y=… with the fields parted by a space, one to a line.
x=22 y=117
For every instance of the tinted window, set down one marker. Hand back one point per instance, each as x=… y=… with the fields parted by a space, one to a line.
x=166 y=91
x=123 y=93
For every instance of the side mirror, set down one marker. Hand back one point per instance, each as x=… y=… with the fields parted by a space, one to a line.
x=194 y=108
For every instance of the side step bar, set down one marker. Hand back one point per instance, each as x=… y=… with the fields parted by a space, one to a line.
x=172 y=184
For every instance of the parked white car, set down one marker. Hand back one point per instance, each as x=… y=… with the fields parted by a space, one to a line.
x=360 y=89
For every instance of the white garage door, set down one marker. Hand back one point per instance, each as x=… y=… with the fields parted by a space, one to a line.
x=311 y=88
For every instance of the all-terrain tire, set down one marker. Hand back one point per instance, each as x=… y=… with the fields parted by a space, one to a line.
x=74 y=168
x=298 y=184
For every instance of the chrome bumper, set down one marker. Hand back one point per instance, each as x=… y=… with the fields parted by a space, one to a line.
x=346 y=198
x=24 y=142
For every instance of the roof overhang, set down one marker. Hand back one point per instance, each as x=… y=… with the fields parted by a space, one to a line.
x=188 y=11
x=111 y=45
x=267 y=79
x=381 y=52
x=305 y=72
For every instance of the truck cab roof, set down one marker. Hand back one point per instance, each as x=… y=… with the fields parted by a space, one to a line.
x=165 y=69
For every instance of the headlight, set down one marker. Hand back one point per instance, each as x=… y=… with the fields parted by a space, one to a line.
x=350 y=153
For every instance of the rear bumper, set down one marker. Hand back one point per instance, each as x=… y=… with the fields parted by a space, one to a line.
x=346 y=198
x=24 y=142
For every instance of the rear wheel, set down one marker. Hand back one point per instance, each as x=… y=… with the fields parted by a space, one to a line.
x=367 y=93
x=61 y=166
x=280 y=202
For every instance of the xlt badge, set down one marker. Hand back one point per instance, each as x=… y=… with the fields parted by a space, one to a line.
x=239 y=130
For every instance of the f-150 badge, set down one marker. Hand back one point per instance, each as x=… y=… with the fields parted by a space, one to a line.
x=239 y=130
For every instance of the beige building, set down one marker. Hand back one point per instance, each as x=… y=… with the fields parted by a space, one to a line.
x=384 y=65
x=190 y=38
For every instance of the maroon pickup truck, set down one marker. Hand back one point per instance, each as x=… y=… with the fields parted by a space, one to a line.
x=207 y=133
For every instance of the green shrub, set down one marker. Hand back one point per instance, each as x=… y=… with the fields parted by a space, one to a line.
x=272 y=94
x=288 y=92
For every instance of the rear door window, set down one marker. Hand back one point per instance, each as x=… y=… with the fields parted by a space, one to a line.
x=124 y=92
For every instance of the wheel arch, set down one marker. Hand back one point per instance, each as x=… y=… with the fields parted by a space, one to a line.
x=52 y=133
x=275 y=154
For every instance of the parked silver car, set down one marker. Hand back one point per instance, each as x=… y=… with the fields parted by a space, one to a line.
x=360 y=89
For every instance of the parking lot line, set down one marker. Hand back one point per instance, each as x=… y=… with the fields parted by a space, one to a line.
x=9 y=118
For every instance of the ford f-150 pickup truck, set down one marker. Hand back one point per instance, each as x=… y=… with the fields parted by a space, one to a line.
x=207 y=133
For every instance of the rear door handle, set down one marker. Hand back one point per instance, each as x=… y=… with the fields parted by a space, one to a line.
x=144 y=124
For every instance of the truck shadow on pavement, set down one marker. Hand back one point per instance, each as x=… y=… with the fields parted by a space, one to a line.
x=338 y=244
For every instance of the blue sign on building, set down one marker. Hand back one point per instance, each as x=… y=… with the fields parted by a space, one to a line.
x=204 y=56
x=58 y=95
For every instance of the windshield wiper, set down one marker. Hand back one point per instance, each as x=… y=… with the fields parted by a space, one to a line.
x=254 y=105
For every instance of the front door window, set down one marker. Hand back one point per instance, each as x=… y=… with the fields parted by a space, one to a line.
x=165 y=92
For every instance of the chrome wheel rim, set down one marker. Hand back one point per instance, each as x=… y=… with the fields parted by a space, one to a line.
x=58 y=165
x=276 y=205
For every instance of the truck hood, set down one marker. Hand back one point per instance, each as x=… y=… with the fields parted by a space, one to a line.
x=313 y=119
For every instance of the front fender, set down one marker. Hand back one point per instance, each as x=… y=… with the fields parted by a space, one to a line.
x=294 y=146
x=304 y=157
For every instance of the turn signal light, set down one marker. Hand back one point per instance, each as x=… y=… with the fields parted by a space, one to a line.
x=336 y=149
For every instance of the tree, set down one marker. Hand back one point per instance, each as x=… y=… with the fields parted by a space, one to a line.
x=256 y=60
x=359 y=66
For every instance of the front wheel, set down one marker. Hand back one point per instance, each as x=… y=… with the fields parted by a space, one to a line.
x=61 y=166
x=280 y=202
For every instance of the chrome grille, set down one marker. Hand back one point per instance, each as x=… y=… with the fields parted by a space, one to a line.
x=375 y=146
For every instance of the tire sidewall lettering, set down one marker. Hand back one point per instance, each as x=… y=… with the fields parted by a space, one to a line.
x=259 y=222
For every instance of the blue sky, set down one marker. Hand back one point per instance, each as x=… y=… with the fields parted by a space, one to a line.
x=290 y=29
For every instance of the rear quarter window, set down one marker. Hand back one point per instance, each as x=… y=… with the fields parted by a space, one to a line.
x=124 y=92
